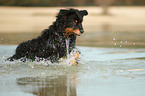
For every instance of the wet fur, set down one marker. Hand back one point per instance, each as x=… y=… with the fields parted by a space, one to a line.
x=51 y=44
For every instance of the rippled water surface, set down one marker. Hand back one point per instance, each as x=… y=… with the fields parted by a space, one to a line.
x=100 y=72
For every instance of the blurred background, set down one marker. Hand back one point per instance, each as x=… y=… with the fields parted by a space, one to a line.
x=110 y=23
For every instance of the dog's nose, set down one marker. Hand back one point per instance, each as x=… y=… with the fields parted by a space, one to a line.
x=81 y=31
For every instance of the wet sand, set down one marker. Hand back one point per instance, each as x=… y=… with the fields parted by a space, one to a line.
x=35 y=19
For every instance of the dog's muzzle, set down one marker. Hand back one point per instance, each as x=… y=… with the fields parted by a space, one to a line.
x=77 y=32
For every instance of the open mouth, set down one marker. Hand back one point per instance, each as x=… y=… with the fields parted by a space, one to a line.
x=70 y=31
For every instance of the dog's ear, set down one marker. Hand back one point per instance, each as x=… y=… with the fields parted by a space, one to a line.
x=83 y=12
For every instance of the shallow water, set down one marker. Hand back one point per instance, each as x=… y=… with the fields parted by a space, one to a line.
x=125 y=39
x=100 y=72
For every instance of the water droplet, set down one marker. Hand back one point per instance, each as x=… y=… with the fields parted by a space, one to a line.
x=121 y=70
x=121 y=42
x=113 y=38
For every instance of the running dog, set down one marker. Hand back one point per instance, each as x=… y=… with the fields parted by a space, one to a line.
x=51 y=44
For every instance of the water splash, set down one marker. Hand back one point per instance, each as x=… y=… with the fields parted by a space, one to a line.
x=67 y=46
x=4 y=54
x=70 y=55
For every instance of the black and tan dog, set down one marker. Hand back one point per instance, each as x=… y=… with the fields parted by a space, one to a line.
x=51 y=45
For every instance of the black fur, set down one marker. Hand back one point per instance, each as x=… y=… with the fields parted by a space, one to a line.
x=51 y=45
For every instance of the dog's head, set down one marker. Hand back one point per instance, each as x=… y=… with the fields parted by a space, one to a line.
x=72 y=20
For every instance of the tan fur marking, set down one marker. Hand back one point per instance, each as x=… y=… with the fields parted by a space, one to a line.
x=77 y=31
x=70 y=31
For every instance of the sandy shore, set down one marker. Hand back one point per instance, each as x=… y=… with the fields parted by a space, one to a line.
x=35 y=19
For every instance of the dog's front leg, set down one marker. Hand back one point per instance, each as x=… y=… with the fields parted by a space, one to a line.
x=75 y=59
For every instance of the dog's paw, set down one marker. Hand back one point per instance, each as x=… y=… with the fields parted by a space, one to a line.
x=74 y=61
x=77 y=55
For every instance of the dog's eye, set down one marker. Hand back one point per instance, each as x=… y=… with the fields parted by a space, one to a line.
x=75 y=21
